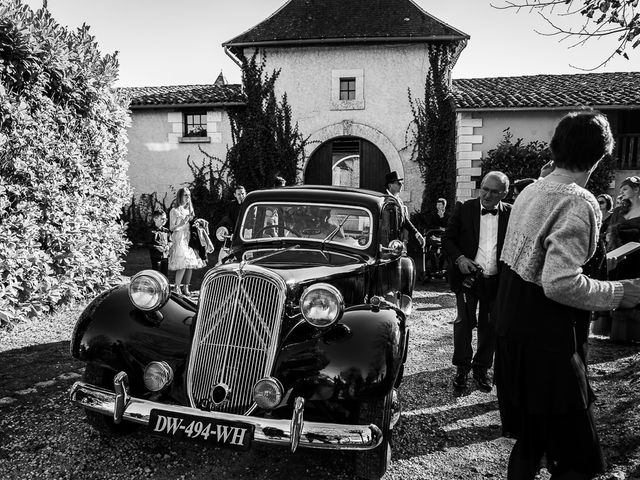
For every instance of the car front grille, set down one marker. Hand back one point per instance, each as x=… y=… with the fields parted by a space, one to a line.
x=235 y=337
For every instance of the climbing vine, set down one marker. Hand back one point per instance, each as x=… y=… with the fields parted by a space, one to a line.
x=433 y=126
x=266 y=142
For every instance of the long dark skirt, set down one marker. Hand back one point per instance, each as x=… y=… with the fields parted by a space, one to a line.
x=540 y=374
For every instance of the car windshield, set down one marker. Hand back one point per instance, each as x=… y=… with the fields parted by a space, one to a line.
x=337 y=224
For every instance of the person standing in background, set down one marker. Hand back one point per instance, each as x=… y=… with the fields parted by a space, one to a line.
x=182 y=258
x=159 y=243
x=393 y=186
x=473 y=241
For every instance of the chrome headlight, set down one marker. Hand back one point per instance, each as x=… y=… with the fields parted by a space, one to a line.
x=149 y=290
x=321 y=305
x=267 y=393
x=157 y=375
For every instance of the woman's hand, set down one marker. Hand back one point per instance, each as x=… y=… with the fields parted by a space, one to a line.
x=631 y=296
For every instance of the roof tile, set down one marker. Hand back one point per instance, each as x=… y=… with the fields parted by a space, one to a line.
x=185 y=94
x=347 y=19
x=544 y=91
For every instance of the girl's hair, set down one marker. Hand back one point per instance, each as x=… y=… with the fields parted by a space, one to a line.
x=180 y=195
x=608 y=200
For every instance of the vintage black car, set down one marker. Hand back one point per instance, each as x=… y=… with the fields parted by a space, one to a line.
x=298 y=338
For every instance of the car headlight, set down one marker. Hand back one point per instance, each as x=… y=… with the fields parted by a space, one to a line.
x=321 y=305
x=149 y=290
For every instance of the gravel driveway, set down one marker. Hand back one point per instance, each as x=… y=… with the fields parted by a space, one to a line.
x=440 y=436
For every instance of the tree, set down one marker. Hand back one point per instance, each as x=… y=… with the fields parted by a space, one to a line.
x=265 y=141
x=598 y=18
x=63 y=164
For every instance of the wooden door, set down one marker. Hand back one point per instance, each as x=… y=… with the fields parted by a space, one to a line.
x=373 y=165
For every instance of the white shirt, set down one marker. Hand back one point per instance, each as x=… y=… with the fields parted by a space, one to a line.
x=487 y=255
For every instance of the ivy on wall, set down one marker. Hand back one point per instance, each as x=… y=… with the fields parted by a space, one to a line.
x=434 y=125
x=266 y=143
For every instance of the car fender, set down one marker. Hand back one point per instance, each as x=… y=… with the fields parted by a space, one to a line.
x=357 y=358
x=114 y=334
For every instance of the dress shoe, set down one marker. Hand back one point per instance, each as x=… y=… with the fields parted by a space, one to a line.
x=482 y=379
x=460 y=380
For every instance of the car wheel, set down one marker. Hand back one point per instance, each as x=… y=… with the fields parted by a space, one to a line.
x=372 y=464
x=101 y=377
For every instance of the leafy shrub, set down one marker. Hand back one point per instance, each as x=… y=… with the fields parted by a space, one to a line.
x=524 y=160
x=138 y=215
x=62 y=164
x=209 y=188
x=517 y=159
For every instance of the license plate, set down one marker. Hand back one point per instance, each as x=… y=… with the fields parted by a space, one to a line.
x=236 y=435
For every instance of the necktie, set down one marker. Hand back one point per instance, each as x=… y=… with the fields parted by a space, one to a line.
x=484 y=211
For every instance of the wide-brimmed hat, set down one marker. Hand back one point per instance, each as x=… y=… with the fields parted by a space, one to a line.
x=392 y=177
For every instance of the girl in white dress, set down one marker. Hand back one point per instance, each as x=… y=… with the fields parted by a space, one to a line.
x=182 y=258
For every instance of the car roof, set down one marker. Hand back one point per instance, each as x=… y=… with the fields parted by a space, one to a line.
x=321 y=194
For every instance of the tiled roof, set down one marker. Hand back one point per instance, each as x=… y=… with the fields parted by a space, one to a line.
x=548 y=91
x=315 y=21
x=185 y=95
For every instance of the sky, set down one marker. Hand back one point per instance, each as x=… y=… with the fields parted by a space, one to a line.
x=169 y=42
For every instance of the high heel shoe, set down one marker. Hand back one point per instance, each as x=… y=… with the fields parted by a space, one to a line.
x=176 y=289
x=185 y=290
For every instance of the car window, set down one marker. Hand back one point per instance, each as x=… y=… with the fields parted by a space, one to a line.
x=340 y=224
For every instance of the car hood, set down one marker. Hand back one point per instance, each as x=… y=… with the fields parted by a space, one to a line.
x=301 y=267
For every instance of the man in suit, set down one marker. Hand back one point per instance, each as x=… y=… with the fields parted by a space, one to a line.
x=393 y=185
x=473 y=241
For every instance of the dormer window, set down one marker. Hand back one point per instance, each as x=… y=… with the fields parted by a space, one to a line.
x=195 y=124
x=348 y=88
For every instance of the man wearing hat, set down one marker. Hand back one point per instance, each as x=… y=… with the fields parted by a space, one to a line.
x=393 y=186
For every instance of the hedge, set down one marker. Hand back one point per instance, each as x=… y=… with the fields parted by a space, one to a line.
x=62 y=164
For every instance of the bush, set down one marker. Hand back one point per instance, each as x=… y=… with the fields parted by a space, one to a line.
x=516 y=159
x=62 y=164
x=138 y=215
x=519 y=160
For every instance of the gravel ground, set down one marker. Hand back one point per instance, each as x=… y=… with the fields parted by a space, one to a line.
x=440 y=435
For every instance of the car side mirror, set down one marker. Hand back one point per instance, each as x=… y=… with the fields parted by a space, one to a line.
x=395 y=248
x=222 y=233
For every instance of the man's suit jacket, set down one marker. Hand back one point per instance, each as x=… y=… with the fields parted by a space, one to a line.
x=462 y=235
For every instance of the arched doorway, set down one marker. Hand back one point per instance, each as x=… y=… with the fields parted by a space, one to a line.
x=347 y=161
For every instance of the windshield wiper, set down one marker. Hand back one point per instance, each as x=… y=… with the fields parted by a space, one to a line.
x=333 y=233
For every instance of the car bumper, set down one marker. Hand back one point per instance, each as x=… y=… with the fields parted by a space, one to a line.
x=295 y=432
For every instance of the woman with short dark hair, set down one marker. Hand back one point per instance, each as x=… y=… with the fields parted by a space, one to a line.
x=543 y=309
